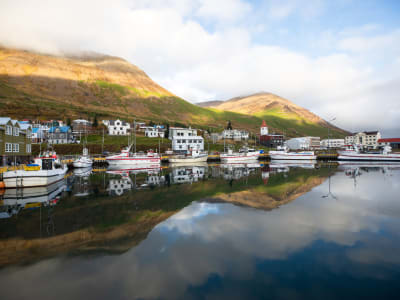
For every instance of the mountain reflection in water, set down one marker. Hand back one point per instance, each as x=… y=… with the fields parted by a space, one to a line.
x=280 y=230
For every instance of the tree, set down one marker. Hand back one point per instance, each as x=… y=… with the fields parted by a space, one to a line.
x=151 y=123
x=95 y=122
x=69 y=122
x=229 y=127
x=166 y=135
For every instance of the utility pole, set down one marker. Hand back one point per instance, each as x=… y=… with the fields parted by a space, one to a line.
x=102 y=144
x=329 y=141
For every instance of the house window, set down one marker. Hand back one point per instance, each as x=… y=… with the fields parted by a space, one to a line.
x=28 y=148
x=8 y=147
x=15 y=147
x=9 y=130
x=16 y=131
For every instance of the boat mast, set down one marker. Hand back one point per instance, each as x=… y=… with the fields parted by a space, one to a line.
x=134 y=130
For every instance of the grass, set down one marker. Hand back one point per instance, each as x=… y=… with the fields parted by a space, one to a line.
x=117 y=101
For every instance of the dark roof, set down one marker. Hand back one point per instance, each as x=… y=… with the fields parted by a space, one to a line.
x=371 y=132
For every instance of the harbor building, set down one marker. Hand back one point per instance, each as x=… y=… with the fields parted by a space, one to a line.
x=184 y=139
x=368 y=139
x=304 y=143
x=80 y=127
x=117 y=127
x=270 y=140
x=154 y=132
x=60 y=135
x=235 y=134
x=15 y=141
x=392 y=142
x=332 y=143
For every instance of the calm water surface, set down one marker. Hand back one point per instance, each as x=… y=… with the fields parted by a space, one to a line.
x=252 y=231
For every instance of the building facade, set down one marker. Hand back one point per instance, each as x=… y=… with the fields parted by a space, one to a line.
x=15 y=142
x=235 y=134
x=304 y=143
x=154 y=132
x=332 y=143
x=368 y=139
x=117 y=127
x=60 y=135
x=184 y=139
x=81 y=127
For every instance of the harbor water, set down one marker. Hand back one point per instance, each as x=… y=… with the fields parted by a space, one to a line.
x=278 y=230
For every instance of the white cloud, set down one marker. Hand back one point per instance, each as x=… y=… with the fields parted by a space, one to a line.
x=171 y=41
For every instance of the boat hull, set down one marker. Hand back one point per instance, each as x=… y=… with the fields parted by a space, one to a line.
x=188 y=159
x=133 y=161
x=292 y=156
x=368 y=157
x=82 y=164
x=22 y=179
x=239 y=157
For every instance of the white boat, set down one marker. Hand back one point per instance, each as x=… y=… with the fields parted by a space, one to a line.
x=353 y=152
x=193 y=156
x=245 y=154
x=282 y=153
x=84 y=161
x=128 y=158
x=46 y=170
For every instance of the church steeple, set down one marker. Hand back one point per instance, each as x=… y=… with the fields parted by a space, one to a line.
x=264 y=128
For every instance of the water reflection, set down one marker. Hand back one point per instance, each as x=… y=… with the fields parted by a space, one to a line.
x=217 y=236
x=15 y=200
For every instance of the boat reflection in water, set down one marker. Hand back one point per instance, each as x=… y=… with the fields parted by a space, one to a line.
x=81 y=182
x=15 y=200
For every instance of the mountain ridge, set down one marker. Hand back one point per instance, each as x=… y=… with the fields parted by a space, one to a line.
x=269 y=106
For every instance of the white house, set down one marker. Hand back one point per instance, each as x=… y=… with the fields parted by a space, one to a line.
x=304 y=143
x=332 y=143
x=117 y=127
x=365 y=138
x=153 y=132
x=184 y=139
x=234 y=134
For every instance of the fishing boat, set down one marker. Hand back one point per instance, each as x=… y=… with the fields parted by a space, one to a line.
x=192 y=156
x=45 y=170
x=282 y=153
x=244 y=154
x=128 y=158
x=84 y=161
x=353 y=152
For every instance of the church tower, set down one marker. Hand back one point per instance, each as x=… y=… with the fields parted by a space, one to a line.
x=264 y=128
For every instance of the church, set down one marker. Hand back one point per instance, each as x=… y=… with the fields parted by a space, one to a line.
x=269 y=140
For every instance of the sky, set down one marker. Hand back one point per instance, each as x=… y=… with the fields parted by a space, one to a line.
x=338 y=58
